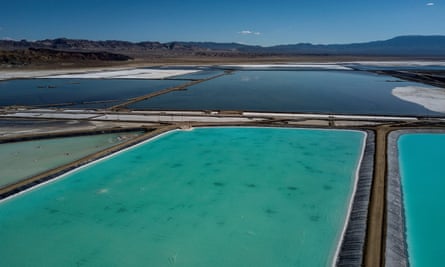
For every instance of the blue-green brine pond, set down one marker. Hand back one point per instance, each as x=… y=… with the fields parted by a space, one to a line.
x=423 y=185
x=206 y=197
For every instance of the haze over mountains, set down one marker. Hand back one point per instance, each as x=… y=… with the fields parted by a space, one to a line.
x=16 y=52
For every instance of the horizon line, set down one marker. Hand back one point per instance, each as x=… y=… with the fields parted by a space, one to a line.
x=215 y=42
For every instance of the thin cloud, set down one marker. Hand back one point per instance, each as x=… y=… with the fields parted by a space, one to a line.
x=247 y=32
x=430 y=4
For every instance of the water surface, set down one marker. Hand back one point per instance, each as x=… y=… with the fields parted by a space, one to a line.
x=21 y=160
x=207 y=197
x=423 y=186
x=48 y=92
x=344 y=92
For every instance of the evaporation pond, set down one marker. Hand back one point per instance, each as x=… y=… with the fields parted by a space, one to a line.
x=423 y=184
x=49 y=92
x=206 y=197
x=21 y=160
x=340 y=92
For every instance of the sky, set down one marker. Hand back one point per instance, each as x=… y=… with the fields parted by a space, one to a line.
x=255 y=22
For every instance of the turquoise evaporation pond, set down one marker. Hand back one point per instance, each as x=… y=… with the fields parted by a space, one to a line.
x=76 y=91
x=207 y=197
x=340 y=92
x=423 y=184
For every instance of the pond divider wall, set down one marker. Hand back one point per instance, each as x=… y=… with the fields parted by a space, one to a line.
x=353 y=244
x=50 y=135
x=29 y=183
x=396 y=253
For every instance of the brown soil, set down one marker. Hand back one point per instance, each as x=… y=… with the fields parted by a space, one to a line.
x=144 y=61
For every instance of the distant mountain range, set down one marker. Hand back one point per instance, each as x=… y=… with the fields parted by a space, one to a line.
x=79 y=45
x=398 y=46
x=405 y=46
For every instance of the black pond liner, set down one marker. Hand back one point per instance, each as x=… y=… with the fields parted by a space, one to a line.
x=353 y=244
x=396 y=253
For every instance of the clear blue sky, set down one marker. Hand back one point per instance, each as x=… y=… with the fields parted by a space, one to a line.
x=258 y=22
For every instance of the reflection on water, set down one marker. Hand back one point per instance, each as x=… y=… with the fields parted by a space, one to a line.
x=76 y=91
x=310 y=91
x=344 y=92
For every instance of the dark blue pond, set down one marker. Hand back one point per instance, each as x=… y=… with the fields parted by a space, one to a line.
x=79 y=92
x=343 y=92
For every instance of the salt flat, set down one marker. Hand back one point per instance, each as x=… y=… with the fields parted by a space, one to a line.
x=124 y=74
x=324 y=66
x=25 y=74
x=120 y=73
x=432 y=98
x=399 y=63
x=53 y=115
x=95 y=73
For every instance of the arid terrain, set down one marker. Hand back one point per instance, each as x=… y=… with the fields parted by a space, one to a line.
x=73 y=53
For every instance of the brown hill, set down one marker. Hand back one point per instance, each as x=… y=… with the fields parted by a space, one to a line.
x=33 y=56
